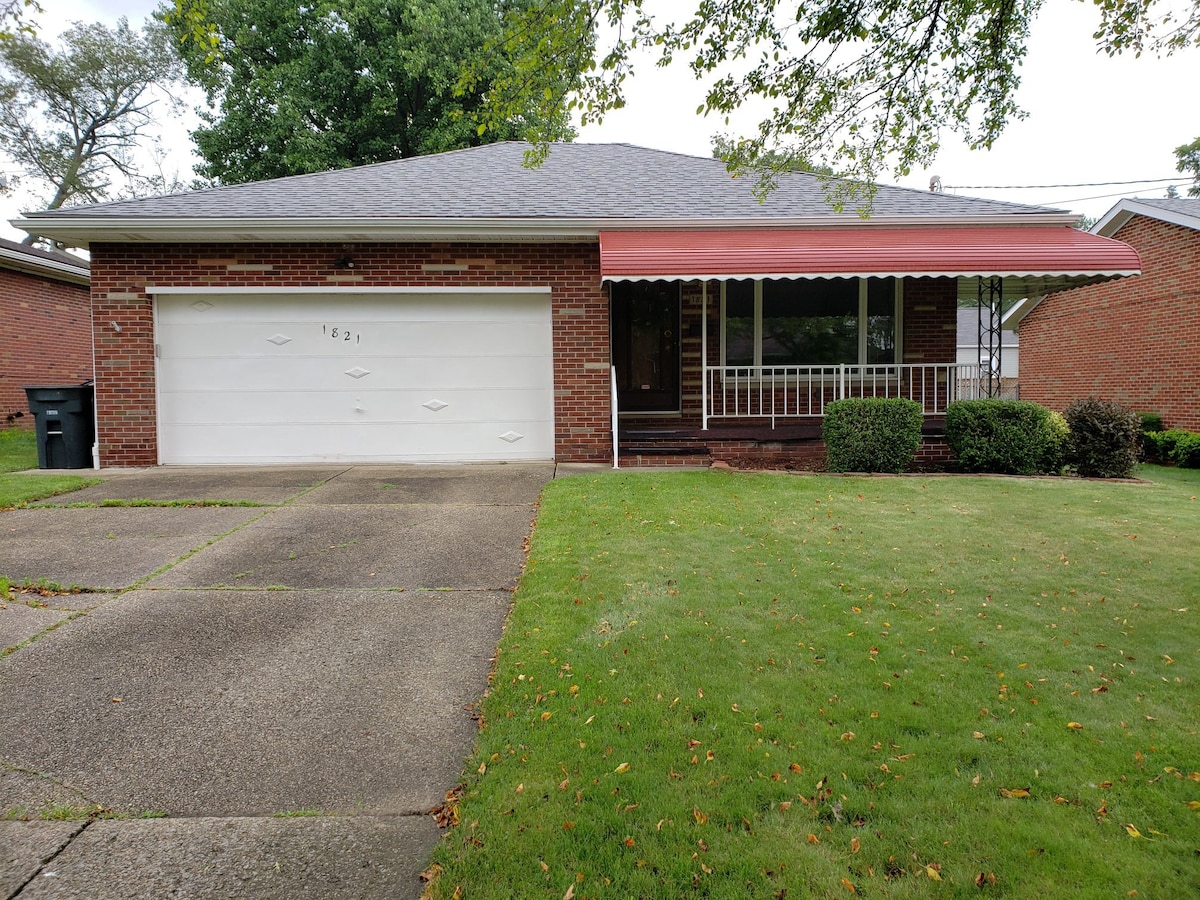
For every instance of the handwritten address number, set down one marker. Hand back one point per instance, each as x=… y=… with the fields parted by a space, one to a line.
x=338 y=333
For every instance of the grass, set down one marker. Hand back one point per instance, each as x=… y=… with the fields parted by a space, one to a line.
x=67 y=812
x=734 y=685
x=18 y=451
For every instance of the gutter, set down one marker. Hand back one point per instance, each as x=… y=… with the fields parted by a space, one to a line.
x=80 y=230
x=51 y=268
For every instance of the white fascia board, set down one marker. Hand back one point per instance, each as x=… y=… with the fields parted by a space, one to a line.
x=81 y=230
x=1117 y=217
x=48 y=268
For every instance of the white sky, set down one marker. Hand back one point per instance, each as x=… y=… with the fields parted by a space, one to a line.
x=1091 y=118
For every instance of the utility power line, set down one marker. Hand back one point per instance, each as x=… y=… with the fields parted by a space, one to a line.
x=1034 y=187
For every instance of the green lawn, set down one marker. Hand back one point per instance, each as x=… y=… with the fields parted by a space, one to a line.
x=736 y=685
x=18 y=452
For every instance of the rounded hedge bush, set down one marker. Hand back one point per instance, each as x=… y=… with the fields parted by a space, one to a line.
x=1011 y=437
x=1105 y=438
x=871 y=434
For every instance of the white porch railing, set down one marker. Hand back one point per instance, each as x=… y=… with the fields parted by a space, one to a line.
x=797 y=392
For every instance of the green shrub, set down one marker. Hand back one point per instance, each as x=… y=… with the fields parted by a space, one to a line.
x=1150 y=421
x=1058 y=440
x=1105 y=438
x=1014 y=437
x=871 y=434
x=1186 y=452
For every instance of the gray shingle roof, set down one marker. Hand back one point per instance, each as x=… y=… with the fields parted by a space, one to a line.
x=593 y=181
x=1188 y=206
x=36 y=254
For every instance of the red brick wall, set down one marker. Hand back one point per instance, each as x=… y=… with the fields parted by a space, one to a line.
x=1135 y=340
x=125 y=360
x=930 y=320
x=45 y=337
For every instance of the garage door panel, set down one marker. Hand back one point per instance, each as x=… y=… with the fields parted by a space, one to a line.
x=272 y=378
x=398 y=406
x=425 y=373
x=227 y=444
x=208 y=340
x=338 y=308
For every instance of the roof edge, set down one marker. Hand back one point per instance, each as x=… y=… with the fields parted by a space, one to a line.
x=80 y=230
x=1124 y=210
x=49 y=268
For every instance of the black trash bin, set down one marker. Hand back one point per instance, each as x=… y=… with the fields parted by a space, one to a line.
x=65 y=424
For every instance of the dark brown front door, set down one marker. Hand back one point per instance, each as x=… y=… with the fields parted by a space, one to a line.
x=645 y=342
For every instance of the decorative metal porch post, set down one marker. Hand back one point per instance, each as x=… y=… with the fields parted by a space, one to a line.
x=991 y=295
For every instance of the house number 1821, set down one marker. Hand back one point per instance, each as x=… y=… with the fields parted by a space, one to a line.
x=337 y=333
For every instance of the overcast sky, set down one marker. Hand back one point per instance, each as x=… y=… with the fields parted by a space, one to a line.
x=1091 y=118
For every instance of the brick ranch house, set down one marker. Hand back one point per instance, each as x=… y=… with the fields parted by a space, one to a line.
x=45 y=324
x=461 y=307
x=1135 y=341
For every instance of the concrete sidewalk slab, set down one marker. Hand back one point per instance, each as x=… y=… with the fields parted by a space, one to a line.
x=18 y=622
x=25 y=846
x=110 y=547
x=29 y=795
x=342 y=547
x=273 y=485
x=241 y=859
x=482 y=485
x=254 y=702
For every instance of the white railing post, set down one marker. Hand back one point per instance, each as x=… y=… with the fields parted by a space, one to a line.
x=616 y=434
x=704 y=356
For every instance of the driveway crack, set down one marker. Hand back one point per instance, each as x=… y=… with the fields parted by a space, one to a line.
x=49 y=859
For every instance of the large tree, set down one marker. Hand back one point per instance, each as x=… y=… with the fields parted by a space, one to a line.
x=858 y=85
x=14 y=17
x=333 y=83
x=1187 y=159
x=73 y=117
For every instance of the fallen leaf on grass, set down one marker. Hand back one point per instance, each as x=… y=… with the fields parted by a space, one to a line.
x=622 y=768
x=813 y=839
x=1074 y=726
x=855 y=845
x=570 y=894
x=932 y=871
x=1133 y=832
x=849 y=885
x=700 y=817
x=1015 y=793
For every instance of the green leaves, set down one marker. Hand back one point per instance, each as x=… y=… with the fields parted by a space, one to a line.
x=306 y=88
x=860 y=87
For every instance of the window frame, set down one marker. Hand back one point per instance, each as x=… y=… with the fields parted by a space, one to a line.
x=898 y=315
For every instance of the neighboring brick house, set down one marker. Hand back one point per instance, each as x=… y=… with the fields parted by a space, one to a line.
x=1135 y=341
x=462 y=307
x=45 y=324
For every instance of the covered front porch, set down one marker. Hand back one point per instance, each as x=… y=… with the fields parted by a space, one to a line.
x=728 y=344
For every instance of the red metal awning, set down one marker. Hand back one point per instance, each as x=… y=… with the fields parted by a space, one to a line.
x=1032 y=251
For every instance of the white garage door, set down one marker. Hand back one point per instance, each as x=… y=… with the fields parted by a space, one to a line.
x=273 y=378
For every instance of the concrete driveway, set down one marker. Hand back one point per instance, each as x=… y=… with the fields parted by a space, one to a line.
x=288 y=684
